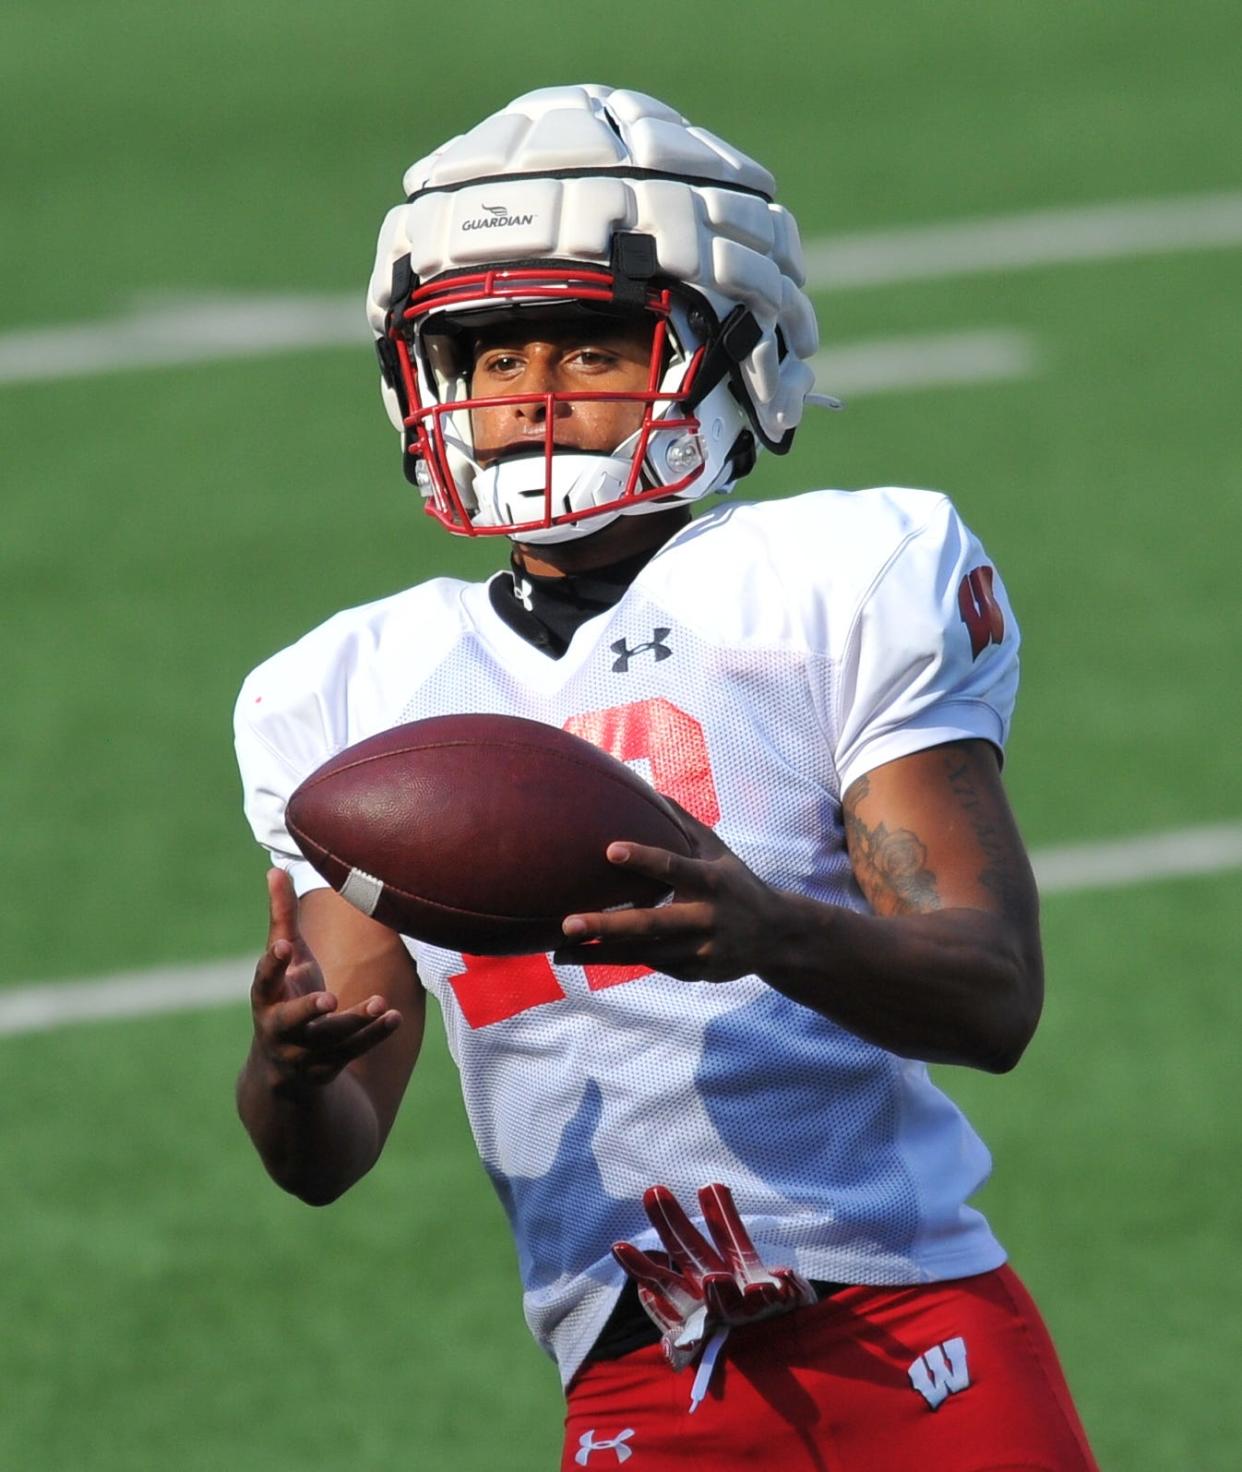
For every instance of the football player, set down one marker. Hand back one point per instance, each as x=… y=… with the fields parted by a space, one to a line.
x=739 y=1203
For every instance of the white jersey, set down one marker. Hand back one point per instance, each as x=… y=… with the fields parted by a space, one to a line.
x=761 y=662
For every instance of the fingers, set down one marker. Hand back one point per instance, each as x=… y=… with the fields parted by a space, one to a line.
x=723 y=1298
x=796 y=1291
x=674 y=922
x=330 y=1030
x=685 y=1244
x=282 y=903
x=309 y=1037
x=300 y=1027
x=283 y=1019
x=667 y=1289
x=284 y=942
x=684 y=924
x=643 y=1267
x=270 y=973
x=697 y=1286
x=730 y=1235
x=675 y=870
x=730 y=1303
x=351 y=1041
x=314 y=1021
x=684 y=961
x=671 y=1301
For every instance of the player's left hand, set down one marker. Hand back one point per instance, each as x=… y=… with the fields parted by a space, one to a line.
x=715 y=927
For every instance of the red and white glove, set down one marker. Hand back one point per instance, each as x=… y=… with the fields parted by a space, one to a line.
x=696 y=1287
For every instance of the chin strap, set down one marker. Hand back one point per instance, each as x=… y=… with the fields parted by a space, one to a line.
x=737 y=338
x=512 y=491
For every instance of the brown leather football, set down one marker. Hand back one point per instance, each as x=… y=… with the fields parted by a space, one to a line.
x=480 y=833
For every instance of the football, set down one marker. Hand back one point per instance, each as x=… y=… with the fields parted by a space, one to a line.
x=480 y=833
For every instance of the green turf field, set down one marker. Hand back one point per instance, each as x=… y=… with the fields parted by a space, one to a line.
x=165 y=528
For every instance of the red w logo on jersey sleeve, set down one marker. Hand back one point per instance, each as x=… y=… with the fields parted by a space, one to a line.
x=981 y=613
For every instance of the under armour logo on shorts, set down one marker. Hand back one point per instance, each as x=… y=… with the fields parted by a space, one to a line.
x=587 y=1444
x=940 y=1370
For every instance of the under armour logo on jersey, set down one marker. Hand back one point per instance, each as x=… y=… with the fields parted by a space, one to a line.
x=939 y=1371
x=979 y=610
x=524 y=592
x=656 y=645
x=587 y=1444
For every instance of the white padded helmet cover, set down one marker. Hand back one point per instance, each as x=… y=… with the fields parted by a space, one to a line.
x=714 y=225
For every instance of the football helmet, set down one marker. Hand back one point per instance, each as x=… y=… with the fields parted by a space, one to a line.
x=591 y=201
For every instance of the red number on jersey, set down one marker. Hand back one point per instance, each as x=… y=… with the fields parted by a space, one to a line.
x=493 y=988
x=981 y=613
x=668 y=738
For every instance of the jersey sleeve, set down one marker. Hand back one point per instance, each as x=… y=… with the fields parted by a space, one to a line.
x=931 y=654
x=280 y=739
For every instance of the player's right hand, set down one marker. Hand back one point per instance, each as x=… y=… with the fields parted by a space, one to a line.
x=303 y=1034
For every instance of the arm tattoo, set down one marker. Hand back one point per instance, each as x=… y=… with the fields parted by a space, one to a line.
x=891 y=867
x=997 y=875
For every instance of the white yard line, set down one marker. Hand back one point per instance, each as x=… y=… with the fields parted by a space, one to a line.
x=130 y=994
x=1100 y=232
x=1066 y=869
x=161 y=334
x=1153 y=856
x=168 y=333
x=896 y=364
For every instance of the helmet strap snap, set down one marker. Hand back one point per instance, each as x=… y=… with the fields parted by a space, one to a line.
x=633 y=262
x=737 y=338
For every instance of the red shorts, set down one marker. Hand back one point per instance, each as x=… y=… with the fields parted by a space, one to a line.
x=959 y=1376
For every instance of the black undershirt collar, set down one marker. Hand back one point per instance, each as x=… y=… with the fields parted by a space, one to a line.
x=547 y=612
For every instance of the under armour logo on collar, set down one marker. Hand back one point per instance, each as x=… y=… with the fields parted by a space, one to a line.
x=624 y=653
x=524 y=592
x=587 y=1444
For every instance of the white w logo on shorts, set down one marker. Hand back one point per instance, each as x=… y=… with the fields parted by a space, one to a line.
x=940 y=1370
x=587 y=1444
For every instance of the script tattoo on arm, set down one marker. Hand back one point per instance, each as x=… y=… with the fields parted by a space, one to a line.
x=890 y=866
x=993 y=832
